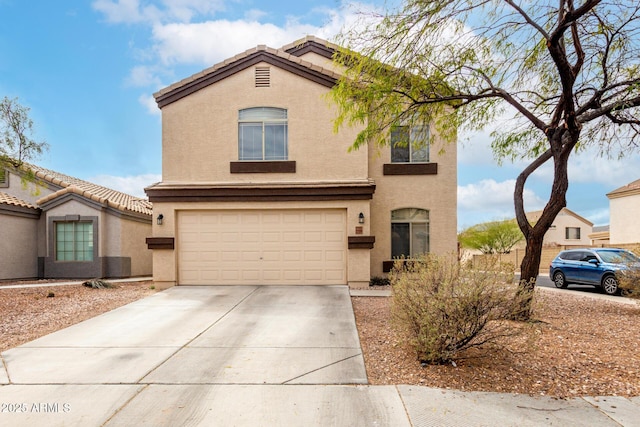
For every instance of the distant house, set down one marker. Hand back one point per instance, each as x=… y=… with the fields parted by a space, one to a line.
x=600 y=236
x=568 y=229
x=624 y=211
x=57 y=226
x=258 y=188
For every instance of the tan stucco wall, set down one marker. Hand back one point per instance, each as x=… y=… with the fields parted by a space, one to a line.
x=557 y=233
x=435 y=193
x=19 y=248
x=165 y=260
x=200 y=132
x=27 y=191
x=133 y=245
x=624 y=225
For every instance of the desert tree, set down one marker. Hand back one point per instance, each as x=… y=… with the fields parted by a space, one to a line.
x=16 y=135
x=567 y=73
x=495 y=237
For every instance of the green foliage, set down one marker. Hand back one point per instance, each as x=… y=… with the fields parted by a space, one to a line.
x=444 y=308
x=496 y=237
x=463 y=63
x=16 y=128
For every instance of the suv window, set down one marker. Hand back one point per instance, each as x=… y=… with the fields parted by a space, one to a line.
x=571 y=256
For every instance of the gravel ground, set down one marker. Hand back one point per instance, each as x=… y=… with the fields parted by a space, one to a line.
x=578 y=346
x=29 y=313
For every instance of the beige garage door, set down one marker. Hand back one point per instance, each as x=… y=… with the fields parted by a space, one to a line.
x=307 y=247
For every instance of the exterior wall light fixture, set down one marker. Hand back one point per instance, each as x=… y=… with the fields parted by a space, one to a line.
x=361 y=218
x=159 y=219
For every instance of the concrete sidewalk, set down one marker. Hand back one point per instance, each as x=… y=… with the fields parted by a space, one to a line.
x=247 y=355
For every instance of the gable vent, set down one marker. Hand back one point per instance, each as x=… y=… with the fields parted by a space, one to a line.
x=263 y=77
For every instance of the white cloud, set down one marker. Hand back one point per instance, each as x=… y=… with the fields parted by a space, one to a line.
x=146 y=11
x=143 y=76
x=488 y=200
x=124 y=11
x=149 y=103
x=133 y=185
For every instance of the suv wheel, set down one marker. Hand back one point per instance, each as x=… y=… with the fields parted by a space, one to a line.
x=610 y=284
x=559 y=280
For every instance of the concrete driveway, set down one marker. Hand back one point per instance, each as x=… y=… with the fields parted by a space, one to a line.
x=245 y=356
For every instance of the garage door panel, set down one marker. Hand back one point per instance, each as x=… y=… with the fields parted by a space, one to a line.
x=262 y=247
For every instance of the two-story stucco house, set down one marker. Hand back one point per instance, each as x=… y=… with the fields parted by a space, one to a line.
x=257 y=188
x=57 y=226
x=624 y=210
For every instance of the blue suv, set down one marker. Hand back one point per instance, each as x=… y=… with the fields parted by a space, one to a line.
x=596 y=266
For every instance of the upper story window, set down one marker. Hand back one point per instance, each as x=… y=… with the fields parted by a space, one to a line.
x=410 y=144
x=262 y=134
x=409 y=232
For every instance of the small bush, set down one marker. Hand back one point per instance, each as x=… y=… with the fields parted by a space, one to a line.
x=629 y=280
x=379 y=281
x=97 y=284
x=51 y=295
x=444 y=308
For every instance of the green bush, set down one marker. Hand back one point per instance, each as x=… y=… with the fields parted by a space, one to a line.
x=443 y=307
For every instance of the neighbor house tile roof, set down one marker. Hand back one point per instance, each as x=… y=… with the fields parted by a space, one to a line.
x=629 y=189
x=8 y=199
x=107 y=196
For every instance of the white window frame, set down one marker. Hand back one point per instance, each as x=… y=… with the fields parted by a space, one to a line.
x=263 y=116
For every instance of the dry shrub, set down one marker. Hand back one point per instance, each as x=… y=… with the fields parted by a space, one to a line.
x=443 y=307
x=629 y=279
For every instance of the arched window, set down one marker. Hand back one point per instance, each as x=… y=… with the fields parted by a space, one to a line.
x=409 y=232
x=262 y=134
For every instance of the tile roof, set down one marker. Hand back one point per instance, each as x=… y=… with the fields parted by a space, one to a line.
x=8 y=199
x=115 y=199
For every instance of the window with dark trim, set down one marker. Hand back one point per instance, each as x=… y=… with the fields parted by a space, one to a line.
x=410 y=144
x=262 y=134
x=572 y=233
x=73 y=240
x=409 y=232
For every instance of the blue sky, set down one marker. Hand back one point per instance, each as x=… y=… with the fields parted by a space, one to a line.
x=88 y=69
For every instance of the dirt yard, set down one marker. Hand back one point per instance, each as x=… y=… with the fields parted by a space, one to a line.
x=578 y=345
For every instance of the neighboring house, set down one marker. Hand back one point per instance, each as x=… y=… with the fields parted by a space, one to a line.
x=600 y=236
x=57 y=226
x=258 y=188
x=568 y=229
x=624 y=211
